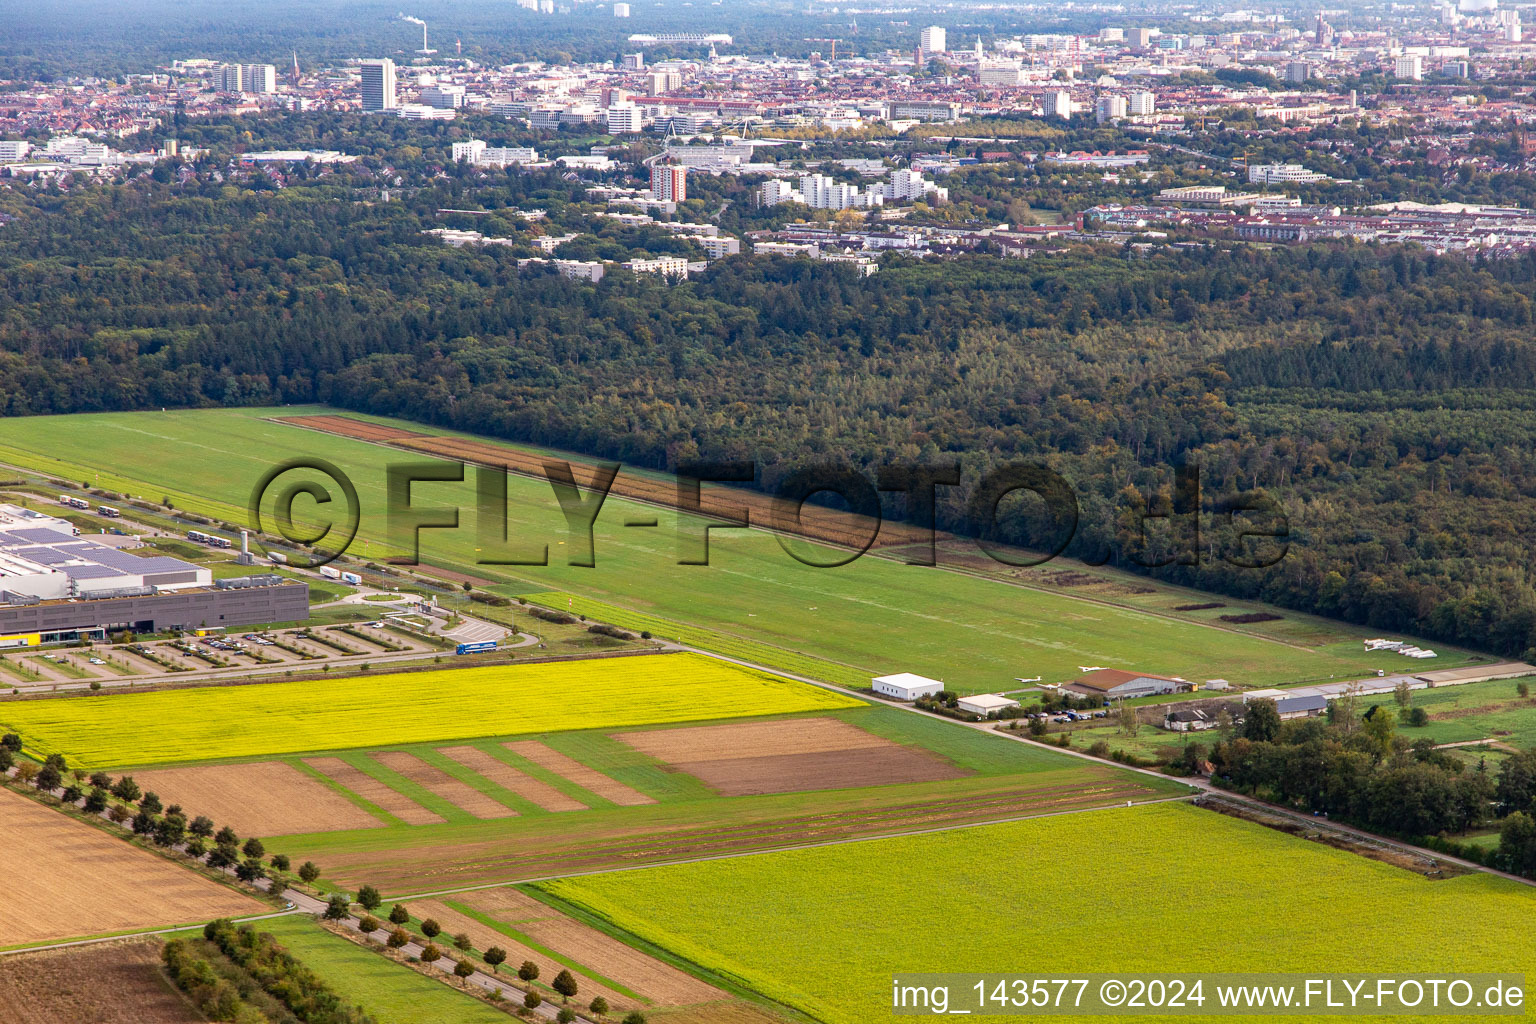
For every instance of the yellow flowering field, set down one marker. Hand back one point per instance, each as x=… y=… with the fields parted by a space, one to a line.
x=1150 y=890
x=265 y=719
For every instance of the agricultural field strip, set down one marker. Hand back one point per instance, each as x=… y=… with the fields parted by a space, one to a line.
x=443 y=785
x=593 y=781
x=1475 y=922
x=84 y=881
x=434 y=706
x=626 y=967
x=997 y=811
x=264 y=798
x=374 y=791
x=485 y=932
x=540 y=794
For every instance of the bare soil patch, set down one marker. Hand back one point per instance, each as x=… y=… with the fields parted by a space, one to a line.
x=656 y=981
x=586 y=778
x=512 y=780
x=374 y=791
x=444 y=785
x=831 y=769
x=788 y=756
x=750 y=739
x=269 y=798
x=109 y=983
x=61 y=879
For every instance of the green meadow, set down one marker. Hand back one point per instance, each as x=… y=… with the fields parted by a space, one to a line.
x=387 y=991
x=871 y=617
x=1156 y=889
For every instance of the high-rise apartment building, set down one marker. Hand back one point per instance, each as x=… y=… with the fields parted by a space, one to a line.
x=669 y=182
x=378 y=84
x=932 y=40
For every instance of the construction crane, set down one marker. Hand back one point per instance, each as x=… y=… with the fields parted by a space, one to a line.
x=834 y=43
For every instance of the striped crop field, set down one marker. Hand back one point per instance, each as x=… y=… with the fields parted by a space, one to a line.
x=224 y=722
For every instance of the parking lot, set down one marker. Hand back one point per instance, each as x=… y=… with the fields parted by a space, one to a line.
x=228 y=653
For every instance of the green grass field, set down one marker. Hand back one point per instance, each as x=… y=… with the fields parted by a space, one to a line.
x=387 y=991
x=1164 y=888
x=1476 y=711
x=202 y=723
x=871 y=617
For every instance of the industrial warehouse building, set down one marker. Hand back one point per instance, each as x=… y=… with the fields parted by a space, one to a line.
x=905 y=686
x=56 y=585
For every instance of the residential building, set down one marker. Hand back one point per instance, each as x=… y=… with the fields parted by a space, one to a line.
x=378 y=84
x=1109 y=108
x=666 y=266
x=669 y=182
x=632 y=61
x=258 y=78
x=1057 y=103
x=228 y=78
x=933 y=41
x=717 y=248
x=1409 y=66
x=621 y=10
x=1142 y=104
x=1139 y=38
x=1298 y=71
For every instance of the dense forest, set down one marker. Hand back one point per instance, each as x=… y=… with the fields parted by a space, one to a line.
x=1381 y=398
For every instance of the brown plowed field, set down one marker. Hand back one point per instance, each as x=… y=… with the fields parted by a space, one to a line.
x=830 y=769
x=661 y=983
x=789 y=756
x=484 y=937
x=586 y=778
x=105 y=983
x=374 y=791
x=63 y=879
x=436 y=780
x=265 y=799
x=750 y=739
x=513 y=781
x=817 y=523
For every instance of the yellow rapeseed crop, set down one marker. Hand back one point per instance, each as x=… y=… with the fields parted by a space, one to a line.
x=408 y=707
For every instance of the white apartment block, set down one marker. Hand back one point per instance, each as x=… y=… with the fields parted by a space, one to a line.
x=1057 y=104
x=1142 y=104
x=1410 y=66
x=1110 y=108
x=667 y=266
x=932 y=40
x=258 y=78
